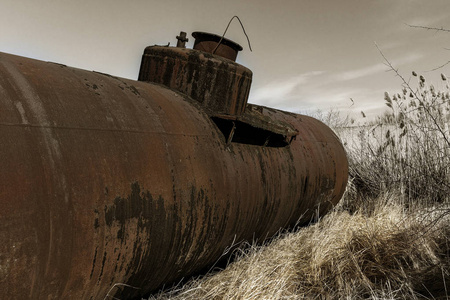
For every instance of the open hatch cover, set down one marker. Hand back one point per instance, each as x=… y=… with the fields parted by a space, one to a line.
x=255 y=128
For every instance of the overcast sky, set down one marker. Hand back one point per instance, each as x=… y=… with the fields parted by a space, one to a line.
x=307 y=54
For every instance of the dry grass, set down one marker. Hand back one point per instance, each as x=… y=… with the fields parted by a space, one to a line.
x=387 y=253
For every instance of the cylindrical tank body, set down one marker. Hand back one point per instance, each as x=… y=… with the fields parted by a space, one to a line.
x=105 y=180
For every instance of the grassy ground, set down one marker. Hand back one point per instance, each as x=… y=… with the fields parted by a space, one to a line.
x=388 y=238
x=384 y=253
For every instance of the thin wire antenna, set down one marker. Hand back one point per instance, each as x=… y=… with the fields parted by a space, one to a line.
x=223 y=35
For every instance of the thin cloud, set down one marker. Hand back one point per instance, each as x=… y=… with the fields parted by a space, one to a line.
x=281 y=89
x=407 y=59
x=354 y=74
x=392 y=45
x=376 y=68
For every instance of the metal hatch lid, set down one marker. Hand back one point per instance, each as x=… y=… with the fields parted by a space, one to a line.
x=209 y=42
x=206 y=36
x=254 y=116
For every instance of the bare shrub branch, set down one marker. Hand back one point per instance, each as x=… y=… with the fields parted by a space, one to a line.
x=428 y=28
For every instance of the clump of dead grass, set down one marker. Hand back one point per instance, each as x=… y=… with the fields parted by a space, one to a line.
x=387 y=253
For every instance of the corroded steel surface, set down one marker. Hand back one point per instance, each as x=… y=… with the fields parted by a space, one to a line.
x=219 y=84
x=105 y=180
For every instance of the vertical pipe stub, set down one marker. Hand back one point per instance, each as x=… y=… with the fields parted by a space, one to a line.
x=209 y=42
x=182 y=40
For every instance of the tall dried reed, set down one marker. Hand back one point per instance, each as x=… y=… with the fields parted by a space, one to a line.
x=406 y=149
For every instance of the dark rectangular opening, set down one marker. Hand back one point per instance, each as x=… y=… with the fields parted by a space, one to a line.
x=236 y=131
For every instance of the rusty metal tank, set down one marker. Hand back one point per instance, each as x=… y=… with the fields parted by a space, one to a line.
x=106 y=180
